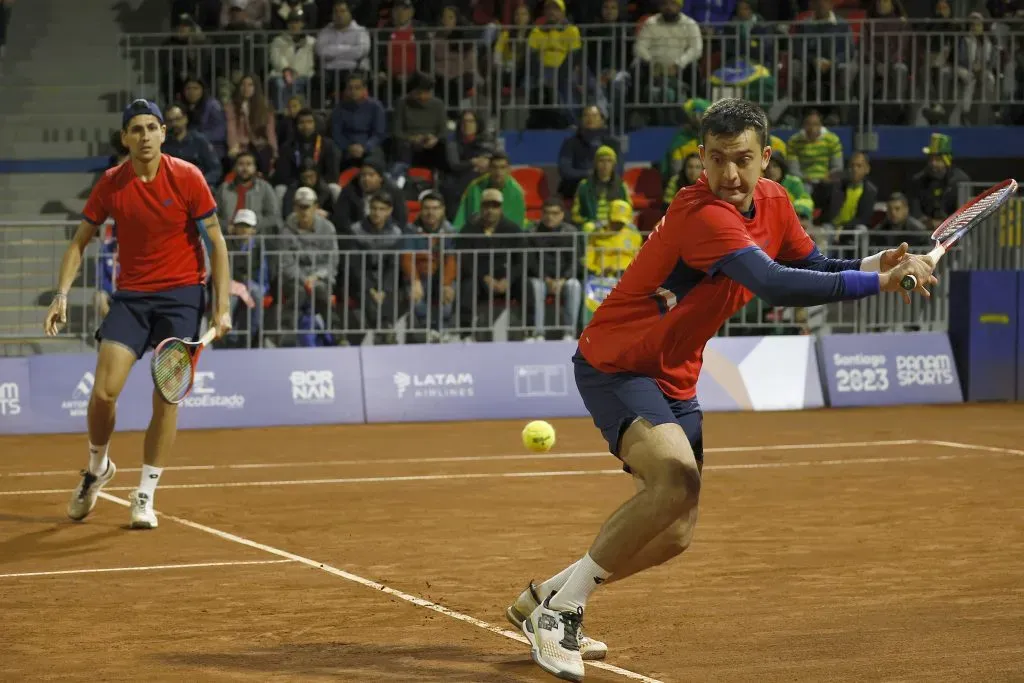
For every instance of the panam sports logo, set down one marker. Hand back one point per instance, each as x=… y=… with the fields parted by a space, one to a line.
x=78 y=404
x=434 y=385
x=312 y=387
x=204 y=395
x=10 y=400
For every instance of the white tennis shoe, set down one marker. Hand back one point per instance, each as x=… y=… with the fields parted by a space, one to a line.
x=83 y=498
x=555 y=641
x=524 y=605
x=143 y=516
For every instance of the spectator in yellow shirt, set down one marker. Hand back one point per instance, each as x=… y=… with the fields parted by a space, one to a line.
x=610 y=251
x=556 y=49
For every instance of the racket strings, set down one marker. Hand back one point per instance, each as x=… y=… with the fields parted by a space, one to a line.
x=975 y=213
x=172 y=371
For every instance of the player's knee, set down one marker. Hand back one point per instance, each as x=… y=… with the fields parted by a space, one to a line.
x=678 y=485
x=104 y=394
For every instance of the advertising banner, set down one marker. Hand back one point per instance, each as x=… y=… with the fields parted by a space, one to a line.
x=233 y=388
x=15 y=406
x=760 y=373
x=889 y=369
x=443 y=382
x=983 y=321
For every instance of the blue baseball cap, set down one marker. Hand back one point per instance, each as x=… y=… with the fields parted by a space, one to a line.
x=140 y=107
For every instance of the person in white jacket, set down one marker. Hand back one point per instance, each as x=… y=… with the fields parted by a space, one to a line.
x=343 y=47
x=668 y=47
x=292 y=61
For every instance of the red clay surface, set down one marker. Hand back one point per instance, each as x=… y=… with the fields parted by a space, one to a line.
x=820 y=562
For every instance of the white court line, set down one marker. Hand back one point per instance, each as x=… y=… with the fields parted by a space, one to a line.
x=150 y=568
x=415 y=600
x=518 y=475
x=975 y=447
x=480 y=458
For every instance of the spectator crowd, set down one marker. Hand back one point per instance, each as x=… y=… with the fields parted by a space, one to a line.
x=361 y=183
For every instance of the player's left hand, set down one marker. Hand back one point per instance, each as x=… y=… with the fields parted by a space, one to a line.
x=222 y=324
x=893 y=257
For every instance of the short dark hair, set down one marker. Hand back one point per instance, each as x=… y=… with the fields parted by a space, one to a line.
x=432 y=196
x=553 y=201
x=248 y=153
x=498 y=156
x=732 y=116
x=305 y=111
x=898 y=197
x=382 y=197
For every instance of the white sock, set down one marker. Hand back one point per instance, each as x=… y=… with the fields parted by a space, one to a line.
x=587 y=576
x=555 y=582
x=150 y=477
x=98 y=460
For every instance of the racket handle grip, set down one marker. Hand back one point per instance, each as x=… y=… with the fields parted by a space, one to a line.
x=909 y=283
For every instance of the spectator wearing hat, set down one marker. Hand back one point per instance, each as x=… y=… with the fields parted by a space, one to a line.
x=248 y=191
x=191 y=145
x=306 y=245
x=934 y=191
x=610 y=251
x=308 y=145
x=687 y=138
x=420 y=127
x=283 y=11
x=358 y=124
x=249 y=274
x=491 y=264
x=552 y=266
x=370 y=265
x=576 y=156
x=595 y=193
x=292 y=60
x=500 y=179
x=430 y=268
x=469 y=157
x=354 y=203
x=309 y=177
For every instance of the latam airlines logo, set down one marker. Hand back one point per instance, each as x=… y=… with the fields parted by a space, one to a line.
x=434 y=385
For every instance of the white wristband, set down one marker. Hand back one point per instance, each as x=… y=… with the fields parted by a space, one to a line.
x=871 y=264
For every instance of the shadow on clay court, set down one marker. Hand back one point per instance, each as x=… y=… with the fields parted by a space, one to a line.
x=382 y=662
x=51 y=542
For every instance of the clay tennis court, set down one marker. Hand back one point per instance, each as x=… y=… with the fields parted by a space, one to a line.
x=832 y=545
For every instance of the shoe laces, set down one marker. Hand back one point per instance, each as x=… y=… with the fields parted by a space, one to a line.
x=88 y=479
x=572 y=621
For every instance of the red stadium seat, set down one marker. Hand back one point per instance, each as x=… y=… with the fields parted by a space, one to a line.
x=347 y=175
x=535 y=185
x=644 y=185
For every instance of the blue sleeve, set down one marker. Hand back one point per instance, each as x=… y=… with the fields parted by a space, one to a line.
x=817 y=261
x=337 y=131
x=778 y=285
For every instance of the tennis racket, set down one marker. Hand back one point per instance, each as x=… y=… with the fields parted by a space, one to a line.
x=966 y=218
x=173 y=365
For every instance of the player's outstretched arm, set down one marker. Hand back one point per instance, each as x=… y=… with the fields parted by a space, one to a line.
x=780 y=285
x=57 y=315
x=219 y=263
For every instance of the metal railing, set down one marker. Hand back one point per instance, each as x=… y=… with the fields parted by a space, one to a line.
x=929 y=66
x=355 y=293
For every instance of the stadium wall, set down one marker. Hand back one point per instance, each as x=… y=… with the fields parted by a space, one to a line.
x=503 y=380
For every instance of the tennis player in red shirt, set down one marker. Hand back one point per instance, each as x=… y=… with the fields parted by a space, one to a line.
x=728 y=237
x=164 y=212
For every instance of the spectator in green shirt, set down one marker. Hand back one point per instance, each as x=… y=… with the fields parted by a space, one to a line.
x=499 y=178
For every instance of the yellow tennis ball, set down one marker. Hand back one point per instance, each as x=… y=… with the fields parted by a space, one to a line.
x=538 y=436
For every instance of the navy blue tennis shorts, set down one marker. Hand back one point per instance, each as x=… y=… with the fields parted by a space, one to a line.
x=616 y=400
x=141 y=320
